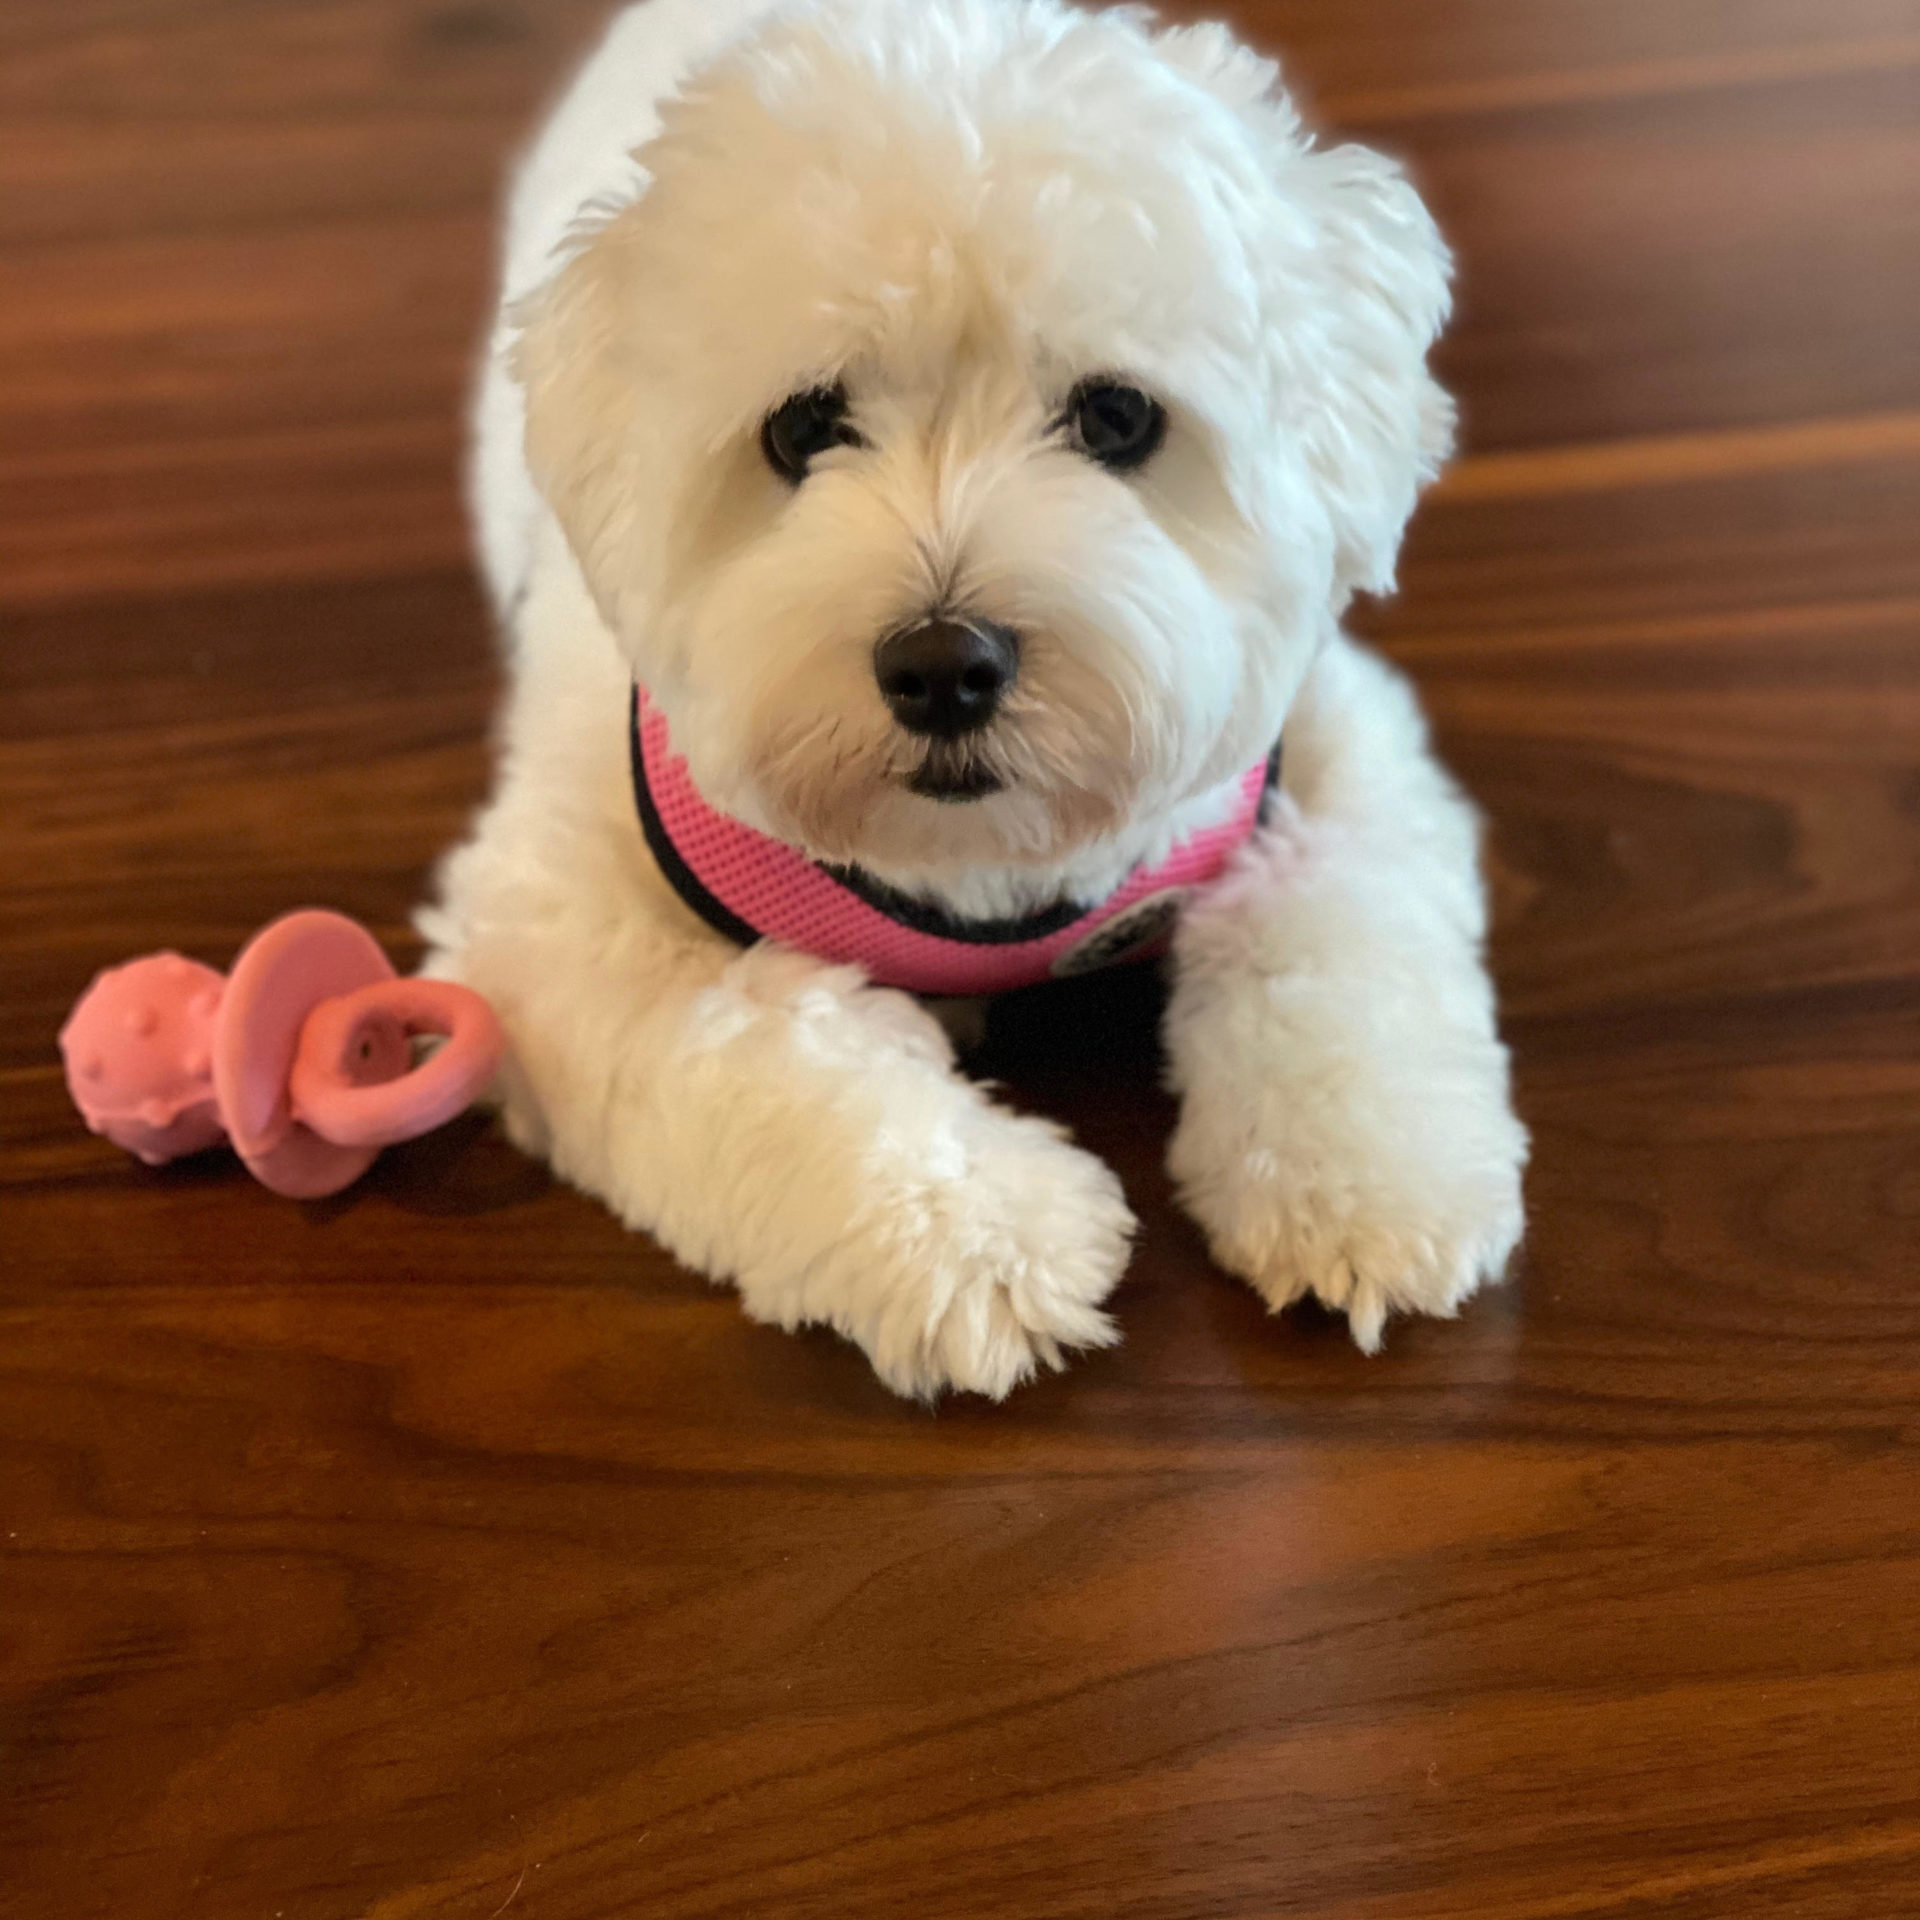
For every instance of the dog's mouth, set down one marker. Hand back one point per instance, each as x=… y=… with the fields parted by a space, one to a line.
x=954 y=778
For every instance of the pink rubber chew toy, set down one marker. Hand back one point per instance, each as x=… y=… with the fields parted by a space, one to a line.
x=302 y=1057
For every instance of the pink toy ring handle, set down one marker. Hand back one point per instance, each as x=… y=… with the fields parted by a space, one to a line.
x=354 y=1081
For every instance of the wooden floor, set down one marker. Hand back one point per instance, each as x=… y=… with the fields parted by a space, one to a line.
x=443 y=1551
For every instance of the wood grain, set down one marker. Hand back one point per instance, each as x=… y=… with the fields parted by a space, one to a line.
x=444 y=1551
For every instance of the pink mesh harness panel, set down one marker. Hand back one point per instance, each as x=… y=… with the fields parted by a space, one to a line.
x=750 y=888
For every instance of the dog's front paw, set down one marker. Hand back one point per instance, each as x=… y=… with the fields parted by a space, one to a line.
x=1373 y=1207
x=992 y=1268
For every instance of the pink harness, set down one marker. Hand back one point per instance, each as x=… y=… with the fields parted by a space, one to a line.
x=752 y=888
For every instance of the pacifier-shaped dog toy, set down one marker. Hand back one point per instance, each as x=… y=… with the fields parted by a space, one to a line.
x=303 y=1056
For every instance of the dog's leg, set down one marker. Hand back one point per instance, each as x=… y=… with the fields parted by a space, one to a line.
x=775 y=1122
x=1346 y=1128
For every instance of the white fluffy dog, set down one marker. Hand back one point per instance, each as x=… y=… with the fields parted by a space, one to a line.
x=967 y=420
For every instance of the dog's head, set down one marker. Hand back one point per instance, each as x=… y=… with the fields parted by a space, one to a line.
x=971 y=428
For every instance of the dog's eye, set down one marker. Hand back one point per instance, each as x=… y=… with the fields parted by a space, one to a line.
x=800 y=430
x=1119 y=426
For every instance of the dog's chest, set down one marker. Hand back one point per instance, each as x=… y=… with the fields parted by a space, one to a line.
x=750 y=887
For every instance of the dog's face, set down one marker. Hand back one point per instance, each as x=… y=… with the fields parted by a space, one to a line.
x=970 y=430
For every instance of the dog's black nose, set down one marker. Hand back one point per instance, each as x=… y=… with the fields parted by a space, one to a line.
x=947 y=677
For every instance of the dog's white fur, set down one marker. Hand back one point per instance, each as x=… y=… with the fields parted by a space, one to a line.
x=961 y=208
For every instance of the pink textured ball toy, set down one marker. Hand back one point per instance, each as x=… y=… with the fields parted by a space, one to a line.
x=303 y=1057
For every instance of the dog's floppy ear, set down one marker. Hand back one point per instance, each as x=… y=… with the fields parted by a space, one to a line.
x=1352 y=313
x=574 y=360
x=1384 y=427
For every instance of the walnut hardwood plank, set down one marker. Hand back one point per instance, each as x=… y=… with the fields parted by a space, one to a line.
x=443 y=1552
x=246 y=245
